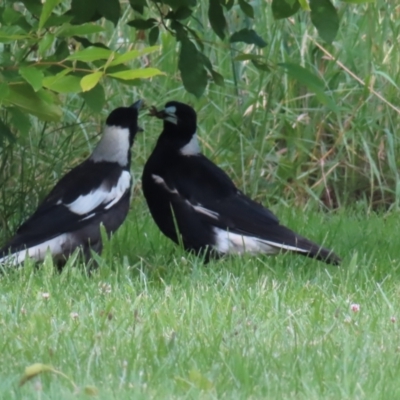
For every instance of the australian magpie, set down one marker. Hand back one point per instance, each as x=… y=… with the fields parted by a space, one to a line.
x=96 y=192
x=185 y=191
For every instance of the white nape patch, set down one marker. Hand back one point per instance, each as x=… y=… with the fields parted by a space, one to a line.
x=233 y=243
x=113 y=146
x=87 y=203
x=160 y=181
x=38 y=252
x=192 y=148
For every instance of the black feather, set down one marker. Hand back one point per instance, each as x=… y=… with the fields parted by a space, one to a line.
x=198 y=196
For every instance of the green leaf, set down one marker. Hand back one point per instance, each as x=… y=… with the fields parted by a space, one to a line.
x=45 y=43
x=47 y=9
x=109 y=9
x=261 y=65
x=5 y=133
x=4 y=91
x=38 y=103
x=9 y=16
x=57 y=20
x=83 y=10
x=68 y=30
x=143 y=24
x=309 y=79
x=358 y=1
x=304 y=5
x=20 y=120
x=175 y=4
x=248 y=36
x=284 y=8
x=88 y=82
x=131 y=74
x=91 y=390
x=246 y=8
x=138 y=5
x=229 y=4
x=63 y=84
x=131 y=55
x=95 y=98
x=91 y=54
x=217 y=18
x=33 y=76
x=183 y=13
x=33 y=6
x=325 y=18
x=153 y=35
x=191 y=66
x=9 y=37
x=34 y=370
x=217 y=78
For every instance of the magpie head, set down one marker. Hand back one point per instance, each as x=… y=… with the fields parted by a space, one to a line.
x=178 y=117
x=119 y=133
x=180 y=123
x=126 y=118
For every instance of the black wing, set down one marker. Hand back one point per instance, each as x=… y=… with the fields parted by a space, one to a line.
x=82 y=194
x=200 y=187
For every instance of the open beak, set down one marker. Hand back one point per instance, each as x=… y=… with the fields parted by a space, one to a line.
x=158 y=114
x=163 y=114
x=138 y=105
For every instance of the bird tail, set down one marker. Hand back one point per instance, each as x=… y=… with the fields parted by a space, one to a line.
x=286 y=240
x=313 y=250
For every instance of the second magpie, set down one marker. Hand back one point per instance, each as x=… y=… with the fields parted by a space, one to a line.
x=95 y=192
x=187 y=193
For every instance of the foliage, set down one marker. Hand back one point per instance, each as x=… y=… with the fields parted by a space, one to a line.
x=47 y=48
x=274 y=131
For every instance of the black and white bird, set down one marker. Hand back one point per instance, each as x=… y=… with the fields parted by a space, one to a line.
x=96 y=192
x=185 y=191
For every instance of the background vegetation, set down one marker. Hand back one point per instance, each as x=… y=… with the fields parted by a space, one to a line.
x=154 y=323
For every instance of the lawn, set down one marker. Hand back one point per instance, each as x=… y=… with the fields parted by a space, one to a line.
x=166 y=326
x=154 y=322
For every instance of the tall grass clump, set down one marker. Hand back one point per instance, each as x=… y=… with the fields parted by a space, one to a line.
x=271 y=134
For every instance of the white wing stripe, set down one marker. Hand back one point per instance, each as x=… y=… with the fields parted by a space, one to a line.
x=87 y=203
x=56 y=247
x=228 y=243
x=199 y=208
x=160 y=181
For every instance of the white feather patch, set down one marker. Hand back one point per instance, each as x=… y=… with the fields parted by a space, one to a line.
x=38 y=252
x=233 y=243
x=170 y=110
x=199 y=208
x=87 y=203
x=113 y=146
x=192 y=148
x=159 y=180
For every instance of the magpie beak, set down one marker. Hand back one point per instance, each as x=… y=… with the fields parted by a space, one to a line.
x=137 y=105
x=195 y=203
x=95 y=193
x=166 y=114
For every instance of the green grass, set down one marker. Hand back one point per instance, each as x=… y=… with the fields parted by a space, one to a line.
x=153 y=322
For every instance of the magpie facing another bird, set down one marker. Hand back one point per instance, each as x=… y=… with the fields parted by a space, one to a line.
x=186 y=191
x=95 y=192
